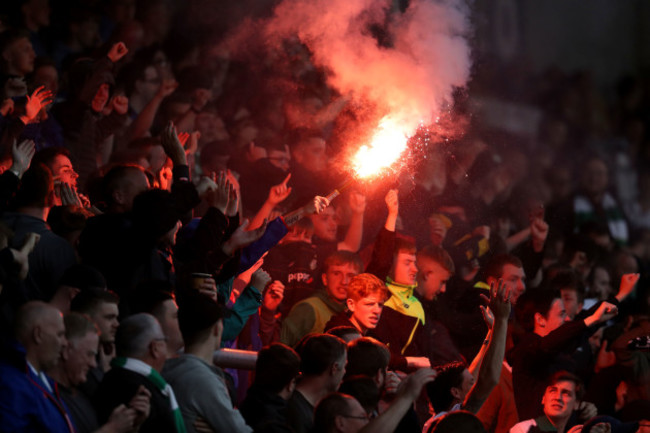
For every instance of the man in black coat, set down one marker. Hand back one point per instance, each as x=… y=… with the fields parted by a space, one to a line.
x=141 y=353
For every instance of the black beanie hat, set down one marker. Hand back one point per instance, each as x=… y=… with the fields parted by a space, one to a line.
x=155 y=212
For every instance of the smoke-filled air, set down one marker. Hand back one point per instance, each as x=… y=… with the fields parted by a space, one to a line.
x=408 y=77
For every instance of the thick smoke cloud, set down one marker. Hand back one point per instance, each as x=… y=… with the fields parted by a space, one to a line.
x=408 y=78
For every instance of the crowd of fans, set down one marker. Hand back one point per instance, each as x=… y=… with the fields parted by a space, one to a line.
x=161 y=199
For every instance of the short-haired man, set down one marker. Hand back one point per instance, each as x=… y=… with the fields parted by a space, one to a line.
x=465 y=322
x=199 y=385
x=401 y=325
x=561 y=398
x=510 y=269
x=342 y=413
x=460 y=387
x=571 y=290
x=102 y=308
x=452 y=384
x=157 y=298
x=435 y=268
x=312 y=314
x=53 y=254
x=76 y=359
x=322 y=363
x=365 y=302
x=368 y=357
x=120 y=185
x=346 y=333
x=29 y=399
x=402 y=320
x=326 y=227
x=16 y=59
x=276 y=371
x=141 y=353
x=547 y=345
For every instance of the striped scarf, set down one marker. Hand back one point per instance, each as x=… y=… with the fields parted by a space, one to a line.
x=154 y=377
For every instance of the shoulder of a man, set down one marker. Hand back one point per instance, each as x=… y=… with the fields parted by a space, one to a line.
x=299 y=413
x=298 y=322
x=303 y=308
x=188 y=371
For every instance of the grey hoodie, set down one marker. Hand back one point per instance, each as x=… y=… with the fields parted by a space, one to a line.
x=202 y=393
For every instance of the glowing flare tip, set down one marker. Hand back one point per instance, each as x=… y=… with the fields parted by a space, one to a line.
x=386 y=147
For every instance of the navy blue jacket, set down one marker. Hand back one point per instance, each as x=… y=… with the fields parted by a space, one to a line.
x=26 y=404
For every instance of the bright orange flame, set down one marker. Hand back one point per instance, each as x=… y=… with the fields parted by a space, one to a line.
x=386 y=146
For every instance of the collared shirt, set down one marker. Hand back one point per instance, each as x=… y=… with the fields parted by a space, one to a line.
x=41 y=376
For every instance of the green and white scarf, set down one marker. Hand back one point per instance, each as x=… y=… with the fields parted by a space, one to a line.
x=154 y=377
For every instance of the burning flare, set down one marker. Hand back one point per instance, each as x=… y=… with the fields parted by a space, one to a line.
x=386 y=147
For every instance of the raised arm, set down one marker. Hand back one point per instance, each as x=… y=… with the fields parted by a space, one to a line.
x=478 y=359
x=277 y=194
x=317 y=205
x=604 y=312
x=172 y=146
x=142 y=123
x=382 y=253
x=490 y=369
x=352 y=241
x=409 y=390
x=628 y=282
x=392 y=203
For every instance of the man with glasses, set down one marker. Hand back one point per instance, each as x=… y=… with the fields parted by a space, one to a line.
x=341 y=413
